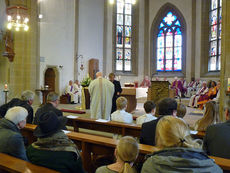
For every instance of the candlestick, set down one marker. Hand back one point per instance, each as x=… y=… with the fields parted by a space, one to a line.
x=5 y=87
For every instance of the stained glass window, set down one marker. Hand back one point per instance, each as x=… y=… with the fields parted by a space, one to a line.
x=169 y=44
x=215 y=35
x=124 y=36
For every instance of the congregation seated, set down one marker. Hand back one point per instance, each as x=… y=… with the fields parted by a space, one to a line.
x=125 y=153
x=120 y=115
x=194 y=99
x=191 y=88
x=26 y=101
x=184 y=87
x=181 y=110
x=150 y=110
x=146 y=82
x=178 y=152
x=211 y=94
x=167 y=106
x=177 y=85
x=198 y=84
x=216 y=99
x=217 y=137
x=70 y=92
x=77 y=90
x=51 y=105
x=54 y=149
x=12 y=142
x=210 y=117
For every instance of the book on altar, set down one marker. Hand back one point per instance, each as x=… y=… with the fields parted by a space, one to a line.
x=72 y=117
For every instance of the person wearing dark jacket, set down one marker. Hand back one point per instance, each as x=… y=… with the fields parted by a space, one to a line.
x=217 y=138
x=178 y=152
x=54 y=149
x=51 y=105
x=12 y=142
x=117 y=91
x=167 y=106
x=26 y=101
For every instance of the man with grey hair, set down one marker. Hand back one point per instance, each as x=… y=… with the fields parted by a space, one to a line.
x=26 y=101
x=51 y=105
x=101 y=93
x=12 y=142
x=217 y=137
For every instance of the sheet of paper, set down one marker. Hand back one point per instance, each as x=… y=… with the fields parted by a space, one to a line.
x=72 y=117
x=193 y=132
x=66 y=131
x=102 y=120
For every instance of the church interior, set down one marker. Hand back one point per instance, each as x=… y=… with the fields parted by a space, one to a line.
x=154 y=49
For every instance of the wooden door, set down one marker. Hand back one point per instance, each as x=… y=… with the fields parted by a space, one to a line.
x=93 y=68
x=50 y=78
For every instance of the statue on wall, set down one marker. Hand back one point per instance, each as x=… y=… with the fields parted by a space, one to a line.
x=9 y=46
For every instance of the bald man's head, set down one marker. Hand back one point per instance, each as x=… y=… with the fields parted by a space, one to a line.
x=98 y=74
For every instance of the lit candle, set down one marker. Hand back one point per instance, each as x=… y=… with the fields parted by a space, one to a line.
x=6 y=87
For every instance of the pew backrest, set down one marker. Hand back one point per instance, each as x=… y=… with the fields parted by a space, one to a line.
x=102 y=145
x=15 y=165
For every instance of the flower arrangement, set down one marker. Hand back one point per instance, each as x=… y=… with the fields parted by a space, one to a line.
x=86 y=81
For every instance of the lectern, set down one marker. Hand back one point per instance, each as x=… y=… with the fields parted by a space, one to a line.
x=158 y=90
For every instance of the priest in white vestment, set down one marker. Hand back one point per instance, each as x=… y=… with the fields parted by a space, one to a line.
x=77 y=90
x=70 y=91
x=101 y=92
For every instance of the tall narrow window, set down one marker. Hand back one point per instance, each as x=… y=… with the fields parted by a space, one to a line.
x=124 y=34
x=215 y=35
x=169 y=44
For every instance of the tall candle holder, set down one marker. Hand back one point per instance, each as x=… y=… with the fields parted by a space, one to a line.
x=5 y=91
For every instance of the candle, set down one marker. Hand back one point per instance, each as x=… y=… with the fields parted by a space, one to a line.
x=5 y=87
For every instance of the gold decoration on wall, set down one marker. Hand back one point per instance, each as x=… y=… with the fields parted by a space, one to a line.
x=9 y=46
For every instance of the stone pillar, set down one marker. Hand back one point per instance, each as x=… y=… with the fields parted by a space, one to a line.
x=225 y=58
x=23 y=71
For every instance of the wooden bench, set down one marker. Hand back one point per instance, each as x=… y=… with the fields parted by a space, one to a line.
x=112 y=127
x=98 y=145
x=15 y=165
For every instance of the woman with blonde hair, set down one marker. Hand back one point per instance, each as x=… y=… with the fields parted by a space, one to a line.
x=178 y=152
x=126 y=153
x=210 y=117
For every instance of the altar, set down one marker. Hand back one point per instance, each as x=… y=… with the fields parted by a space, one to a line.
x=132 y=94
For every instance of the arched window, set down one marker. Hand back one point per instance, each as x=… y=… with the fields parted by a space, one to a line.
x=215 y=20
x=169 y=44
x=124 y=36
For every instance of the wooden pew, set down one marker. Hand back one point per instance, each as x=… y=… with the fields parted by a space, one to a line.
x=98 y=145
x=15 y=165
x=112 y=127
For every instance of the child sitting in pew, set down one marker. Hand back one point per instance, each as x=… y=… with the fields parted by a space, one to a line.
x=126 y=153
x=181 y=110
x=210 y=117
x=150 y=109
x=121 y=115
